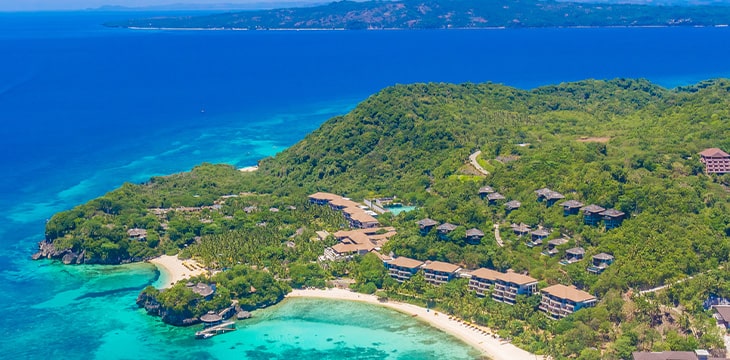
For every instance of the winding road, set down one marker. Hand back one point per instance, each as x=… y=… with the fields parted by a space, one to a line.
x=475 y=164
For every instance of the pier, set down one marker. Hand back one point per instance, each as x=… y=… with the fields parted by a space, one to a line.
x=211 y=331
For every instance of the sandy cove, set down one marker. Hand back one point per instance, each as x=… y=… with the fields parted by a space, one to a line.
x=176 y=269
x=479 y=337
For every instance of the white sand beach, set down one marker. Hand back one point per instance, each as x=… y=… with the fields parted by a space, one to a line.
x=249 y=168
x=479 y=337
x=175 y=269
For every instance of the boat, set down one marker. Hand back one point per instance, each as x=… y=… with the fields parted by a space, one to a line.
x=211 y=331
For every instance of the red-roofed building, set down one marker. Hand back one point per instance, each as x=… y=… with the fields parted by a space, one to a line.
x=716 y=161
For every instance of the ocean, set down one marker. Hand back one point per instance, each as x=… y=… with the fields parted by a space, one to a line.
x=85 y=108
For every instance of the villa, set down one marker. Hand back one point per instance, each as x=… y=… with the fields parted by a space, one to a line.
x=494 y=197
x=482 y=279
x=137 y=234
x=510 y=284
x=552 y=246
x=484 y=191
x=571 y=207
x=573 y=255
x=201 y=289
x=716 y=161
x=521 y=229
x=358 y=242
x=426 y=225
x=437 y=272
x=559 y=301
x=402 y=268
x=549 y=196
x=537 y=237
x=612 y=218
x=600 y=263
x=474 y=236
x=592 y=214
x=512 y=205
x=444 y=230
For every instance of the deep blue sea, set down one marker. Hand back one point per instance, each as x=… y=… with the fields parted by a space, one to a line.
x=85 y=108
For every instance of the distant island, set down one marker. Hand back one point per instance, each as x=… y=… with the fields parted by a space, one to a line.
x=446 y=14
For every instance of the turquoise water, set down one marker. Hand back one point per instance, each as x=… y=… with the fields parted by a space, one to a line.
x=399 y=209
x=85 y=108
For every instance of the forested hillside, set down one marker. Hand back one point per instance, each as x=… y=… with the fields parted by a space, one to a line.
x=623 y=144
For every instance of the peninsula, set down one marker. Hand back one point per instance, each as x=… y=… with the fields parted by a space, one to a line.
x=447 y=14
x=599 y=226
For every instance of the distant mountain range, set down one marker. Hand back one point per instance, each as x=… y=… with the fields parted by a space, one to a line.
x=445 y=14
x=262 y=5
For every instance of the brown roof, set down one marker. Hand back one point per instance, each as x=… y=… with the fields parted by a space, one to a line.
x=201 y=289
x=724 y=311
x=603 y=256
x=211 y=317
x=714 y=152
x=405 y=262
x=554 y=195
x=541 y=232
x=592 y=209
x=575 y=251
x=324 y=196
x=446 y=227
x=542 y=192
x=354 y=236
x=572 y=204
x=664 y=355
x=441 y=266
x=136 y=232
x=521 y=227
x=568 y=292
x=514 y=204
x=345 y=203
x=612 y=213
x=350 y=248
x=427 y=222
x=559 y=241
x=474 y=232
x=515 y=278
x=486 y=190
x=487 y=274
x=360 y=215
x=495 y=196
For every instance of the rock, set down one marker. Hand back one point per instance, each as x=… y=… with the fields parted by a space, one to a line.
x=69 y=258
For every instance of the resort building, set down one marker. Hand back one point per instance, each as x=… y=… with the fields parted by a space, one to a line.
x=353 y=213
x=211 y=319
x=484 y=191
x=571 y=207
x=722 y=315
x=474 y=236
x=358 y=242
x=559 y=301
x=537 y=237
x=600 y=263
x=510 y=284
x=592 y=214
x=716 y=161
x=512 y=205
x=201 y=289
x=573 y=255
x=482 y=279
x=521 y=229
x=402 y=268
x=444 y=230
x=494 y=197
x=673 y=355
x=549 y=196
x=437 y=272
x=552 y=246
x=612 y=218
x=137 y=234
x=426 y=225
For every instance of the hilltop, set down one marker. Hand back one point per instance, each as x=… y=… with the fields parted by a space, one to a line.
x=446 y=14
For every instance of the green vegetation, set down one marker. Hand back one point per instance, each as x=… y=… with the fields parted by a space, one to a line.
x=444 y=14
x=624 y=144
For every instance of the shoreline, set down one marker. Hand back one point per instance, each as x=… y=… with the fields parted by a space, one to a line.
x=173 y=269
x=478 y=337
x=490 y=28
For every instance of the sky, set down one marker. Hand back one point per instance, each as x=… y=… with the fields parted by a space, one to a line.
x=45 y=5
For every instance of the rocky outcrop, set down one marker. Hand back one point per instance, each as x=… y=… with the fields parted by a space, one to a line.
x=46 y=250
x=150 y=304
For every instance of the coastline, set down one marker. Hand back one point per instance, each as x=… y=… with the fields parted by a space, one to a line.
x=490 y=28
x=480 y=338
x=172 y=269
